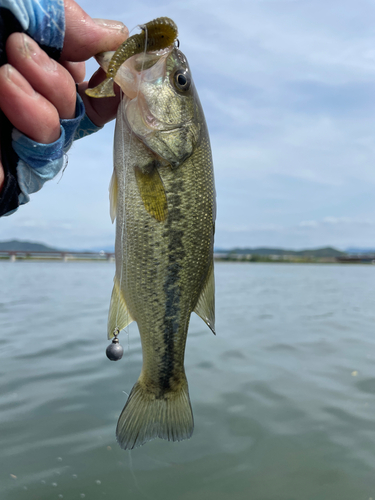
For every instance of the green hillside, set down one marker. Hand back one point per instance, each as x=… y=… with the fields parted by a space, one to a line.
x=26 y=246
x=318 y=252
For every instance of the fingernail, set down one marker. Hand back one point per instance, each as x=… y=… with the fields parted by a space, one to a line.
x=33 y=51
x=18 y=80
x=109 y=24
x=27 y=46
x=8 y=70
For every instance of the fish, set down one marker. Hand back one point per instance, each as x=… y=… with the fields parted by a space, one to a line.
x=156 y=35
x=162 y=195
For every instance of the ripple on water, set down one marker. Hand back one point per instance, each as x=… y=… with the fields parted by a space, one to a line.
x=278 y=411
x=233 y=354
x=351 y=417
x=264 y=391
x=367 y=385
x=205 y=365
x=282 y=347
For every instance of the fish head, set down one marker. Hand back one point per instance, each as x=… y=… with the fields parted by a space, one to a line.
x=162 y=107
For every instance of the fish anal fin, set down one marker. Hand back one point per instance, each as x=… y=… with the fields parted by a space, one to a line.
x=147 y=416
x=113 y=194
x=152 y=191
x=205 y=307
x=118 y=316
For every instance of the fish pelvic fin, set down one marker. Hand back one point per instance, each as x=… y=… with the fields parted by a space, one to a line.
x=148 y=415
x=104 y=89
x=205 y=307
x=118 y=316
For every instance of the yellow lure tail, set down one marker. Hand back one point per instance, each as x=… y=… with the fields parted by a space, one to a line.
x=104 y=89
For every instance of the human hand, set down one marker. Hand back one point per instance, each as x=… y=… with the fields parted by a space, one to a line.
x=36 y=91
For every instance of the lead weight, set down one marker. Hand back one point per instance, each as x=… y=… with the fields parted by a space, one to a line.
x=115 y=350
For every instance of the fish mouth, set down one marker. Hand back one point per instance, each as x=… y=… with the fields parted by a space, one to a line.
x=145 y=69
x=147 y=66
x=142 y=109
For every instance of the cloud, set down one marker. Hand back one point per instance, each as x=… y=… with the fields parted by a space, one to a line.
x=308 y=223
x=334 y=221
x=287 y=89
x=306 y=234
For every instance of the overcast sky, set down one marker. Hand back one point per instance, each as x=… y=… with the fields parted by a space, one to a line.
x=288 y=92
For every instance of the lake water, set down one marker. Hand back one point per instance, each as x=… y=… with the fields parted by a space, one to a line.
x=283 y=396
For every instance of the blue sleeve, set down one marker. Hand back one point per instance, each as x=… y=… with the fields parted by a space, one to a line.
x=39 y=163
x=44 y=21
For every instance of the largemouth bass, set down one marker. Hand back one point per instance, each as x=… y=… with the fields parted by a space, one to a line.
x=163 y=197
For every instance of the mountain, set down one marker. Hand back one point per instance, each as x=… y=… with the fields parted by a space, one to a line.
x=358 y=250
x=29 y=246
x=26 y=246
x=318 y=252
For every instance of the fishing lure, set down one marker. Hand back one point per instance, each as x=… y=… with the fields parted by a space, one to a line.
x=156 y=35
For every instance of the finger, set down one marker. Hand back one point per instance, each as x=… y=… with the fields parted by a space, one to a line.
x=27 y=110
x=85 y=37
x=45 y=75
x=76 y=69
x=100 y=111
x=2 y=176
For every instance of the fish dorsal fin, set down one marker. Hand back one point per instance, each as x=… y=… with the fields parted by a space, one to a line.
x=113 y=193
x=118 y=316
x=205 y=307
x=152 y=192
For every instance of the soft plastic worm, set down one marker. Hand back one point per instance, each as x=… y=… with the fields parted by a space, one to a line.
x=156 y=35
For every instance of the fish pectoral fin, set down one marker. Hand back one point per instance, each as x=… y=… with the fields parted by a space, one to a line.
x=205 y=307
x=152 y=192
x=113 y=193
x=118 y=316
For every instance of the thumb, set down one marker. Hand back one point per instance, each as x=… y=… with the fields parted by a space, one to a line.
x=85 y=37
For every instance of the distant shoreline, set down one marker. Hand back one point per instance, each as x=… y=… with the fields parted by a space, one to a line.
x=27 y=250
x=293 y=259
x=233 y=260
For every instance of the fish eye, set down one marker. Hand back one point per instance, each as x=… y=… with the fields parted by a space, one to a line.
x=182 y=80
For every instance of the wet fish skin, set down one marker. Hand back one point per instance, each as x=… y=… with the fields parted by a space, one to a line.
x=164 y=248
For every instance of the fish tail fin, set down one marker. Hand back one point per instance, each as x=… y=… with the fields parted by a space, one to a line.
x=147 y=416
x=104 y=89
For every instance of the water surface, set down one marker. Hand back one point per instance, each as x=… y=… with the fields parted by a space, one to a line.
x=283 y=396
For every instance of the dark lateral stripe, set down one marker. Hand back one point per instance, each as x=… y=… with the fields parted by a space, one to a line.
x=176 y=254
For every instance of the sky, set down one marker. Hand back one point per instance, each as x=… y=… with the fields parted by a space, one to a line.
x=288 y=91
